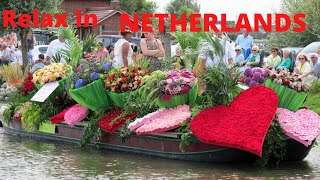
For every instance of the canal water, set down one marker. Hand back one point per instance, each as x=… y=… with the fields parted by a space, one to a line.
x=23 y=158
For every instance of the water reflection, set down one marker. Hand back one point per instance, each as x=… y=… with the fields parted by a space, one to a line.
x=22 y=158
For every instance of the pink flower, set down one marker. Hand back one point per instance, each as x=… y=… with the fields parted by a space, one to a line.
x=185 y=89
x=169 y=81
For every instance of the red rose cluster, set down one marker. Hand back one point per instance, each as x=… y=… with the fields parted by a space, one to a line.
x=107 y=123
x=28 y=85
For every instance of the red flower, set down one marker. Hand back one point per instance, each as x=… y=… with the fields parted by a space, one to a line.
x=165 y=97
x=139 y=82
x=185 y=89
x=126 y=88
x=107 y=88
x=133 y=75
x=274 y=76
x=299 y=79
x=30 y=77
x=124 y=79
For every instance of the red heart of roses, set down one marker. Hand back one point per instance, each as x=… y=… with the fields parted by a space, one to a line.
x=242 y=125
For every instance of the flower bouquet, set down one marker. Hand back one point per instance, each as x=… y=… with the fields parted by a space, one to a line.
x=28 y=89
x=121 y=81
x=114 y=120
x=180 y=87
x=253 y=76
x=164 y=120
x=86 y=87
x=289 y=88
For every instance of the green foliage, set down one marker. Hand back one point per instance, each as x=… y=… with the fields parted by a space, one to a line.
x=274 y=146
x=8 y=113
x=290 y=38
x=30 y=117
x=124 y=132
x=89 y=43
x=92 y=129
x=74 y=47
x=150 y=87
x=182 y=7
x=138 y=7
x=186 y=136
x=220 y=83
x=136 y=103
x=312 y=101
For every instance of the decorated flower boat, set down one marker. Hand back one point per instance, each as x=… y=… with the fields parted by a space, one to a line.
x=164 y=145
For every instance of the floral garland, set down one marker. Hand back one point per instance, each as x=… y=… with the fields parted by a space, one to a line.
x=291 y=80
x=303 y=125
x=51 y=73
x=177 y=82
x=166 y=120
x=125 y=79
x=114 y=120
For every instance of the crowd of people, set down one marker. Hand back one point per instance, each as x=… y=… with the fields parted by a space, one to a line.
x=243 y=53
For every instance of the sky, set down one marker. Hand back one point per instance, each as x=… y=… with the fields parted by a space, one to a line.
x=232 y=7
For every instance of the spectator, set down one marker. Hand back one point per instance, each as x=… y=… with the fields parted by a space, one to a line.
x=245 y=41
x=55 y=46
x=238 y=58
x=304 y=67
x=286 y=61
x=316 y=67
x=152 y=50
x=4 y=54
x=39 y=64
x=111 y=51
x=102 y=53
x=122 y=50
x=17 y=54
x=31 y=41
x=273 y=60
x=253 y=60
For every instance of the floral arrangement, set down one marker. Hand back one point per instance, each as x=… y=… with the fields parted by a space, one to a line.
x=51 y=73
x=125 y=79
x=17 y=116
x=141 y=121
x=89 y=72
x=166 y=120
x=177 y=83
x=28 y=85
x=253 y=77
x=303 y=125
x=285 y=78
x=220 y=125
x=76 y=114
x=115 y=119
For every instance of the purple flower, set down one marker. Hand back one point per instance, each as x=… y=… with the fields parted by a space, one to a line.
x=248 y=72
x=247 y=80
x=106 y=66
x=252 y=83
x=257 y=75
x=261 y=80
x=80 y=83
x=259 y=70
x=94 y=76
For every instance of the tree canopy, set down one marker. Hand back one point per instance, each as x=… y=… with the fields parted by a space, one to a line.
x=311 y=8
x=138 y=7
x=182 y=7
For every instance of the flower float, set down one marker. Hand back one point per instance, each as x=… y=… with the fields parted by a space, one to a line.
x=303 y=125
x=121 y=81
x=51 y=73
x=242 y=125
x=178 y=88
x=115 y=119
x=86 y=83
x=165 y=120
x=253 y=76
x=75 y=114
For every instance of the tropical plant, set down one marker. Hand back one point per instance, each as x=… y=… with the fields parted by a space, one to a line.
x=89 y=43
x=74 y=47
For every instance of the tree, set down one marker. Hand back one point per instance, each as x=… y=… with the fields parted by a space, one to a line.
x=182 y=7
x=27 y=7
x=311 y=8
x=138 y=7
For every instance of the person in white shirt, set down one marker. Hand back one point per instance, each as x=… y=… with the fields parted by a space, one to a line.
x=123 y=51
x=55 y=47
x=228 y=51
x=17 y=55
